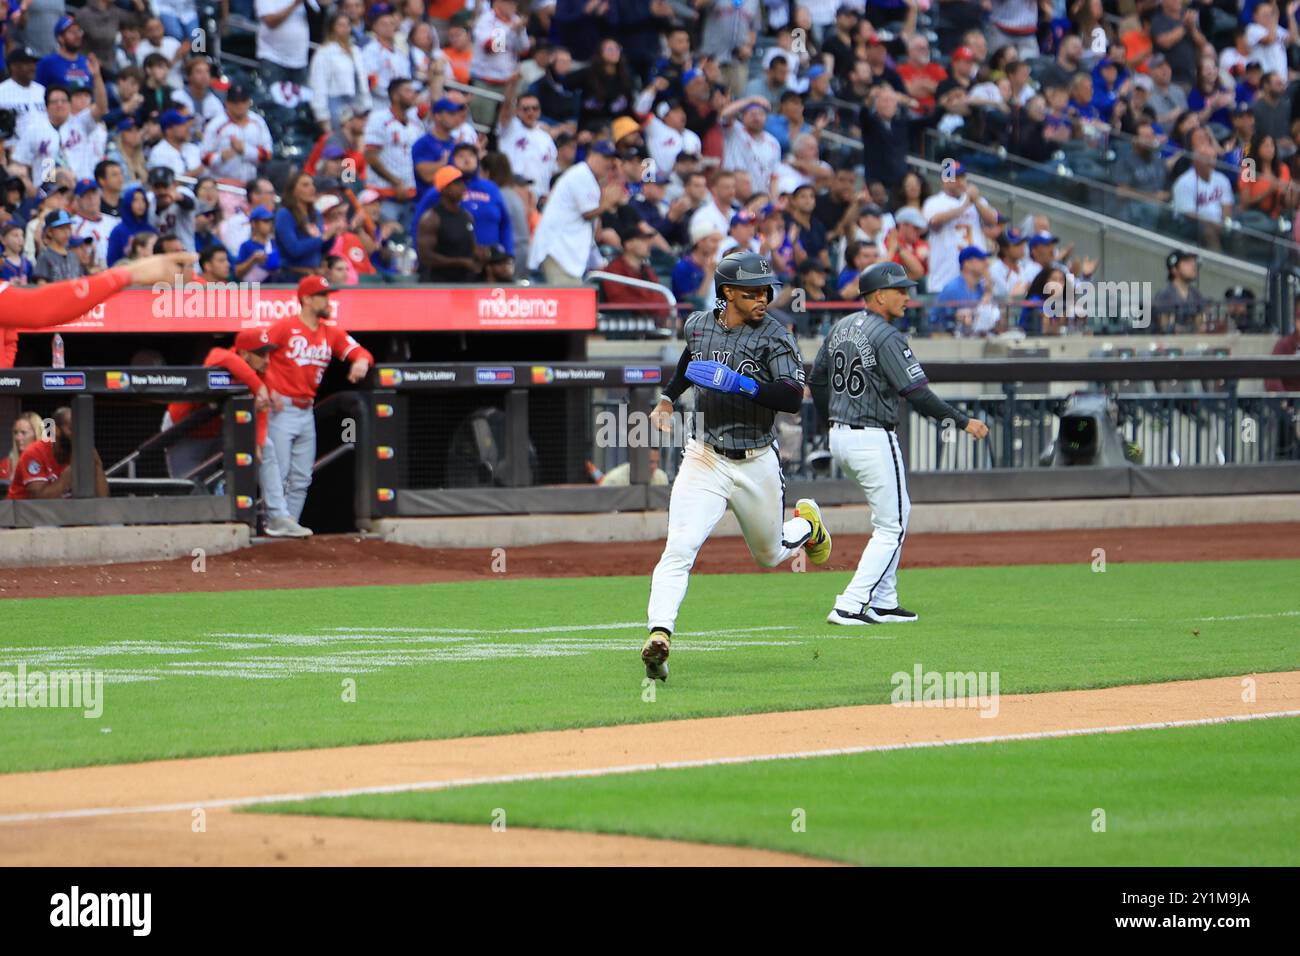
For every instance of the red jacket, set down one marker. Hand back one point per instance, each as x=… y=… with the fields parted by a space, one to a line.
x=231 y=362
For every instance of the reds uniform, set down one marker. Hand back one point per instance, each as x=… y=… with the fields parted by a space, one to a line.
x=36 y=463
x=293 y=374
x=203 y=441
x=732 y=461
x=862 y=369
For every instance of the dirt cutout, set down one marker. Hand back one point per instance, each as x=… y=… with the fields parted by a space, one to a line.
x=143 y=813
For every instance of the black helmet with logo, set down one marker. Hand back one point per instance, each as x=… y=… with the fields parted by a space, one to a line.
x=884 y=275
x=747 y=269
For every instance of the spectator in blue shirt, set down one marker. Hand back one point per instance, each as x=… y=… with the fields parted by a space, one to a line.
x=14 y=266
x=433 y=149
x=300 y=231
x=692 y=279
x=482 y=200
x=66 y=66
x=965 y=291
x=135 y=219
x=258 y=259
x=787 y=122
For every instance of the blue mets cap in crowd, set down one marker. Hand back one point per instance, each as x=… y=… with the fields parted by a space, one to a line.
x=816 y=71
x=378 y=10
x=260 y=213
x=1042 y=239
x=743 y=217
x=74 y=241
x=970 y=252
x=955 y=169
x=62 y=24
x=172 y=118
x=1013 y=237
x=57 y=218
x=125 y=123
x=690 y=75
x=446 y=105
x=84 y=186
x=603 y=147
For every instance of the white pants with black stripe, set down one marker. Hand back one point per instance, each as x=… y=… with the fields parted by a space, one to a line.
x=707 y=484
x=872 y=457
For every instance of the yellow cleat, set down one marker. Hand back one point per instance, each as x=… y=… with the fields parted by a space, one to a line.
x=655 y=654
x=818 y=544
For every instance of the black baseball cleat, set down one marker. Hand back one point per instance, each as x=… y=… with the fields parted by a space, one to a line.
x=891 y=615
x=851 y=618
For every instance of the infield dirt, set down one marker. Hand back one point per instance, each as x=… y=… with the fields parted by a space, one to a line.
x=143 y=813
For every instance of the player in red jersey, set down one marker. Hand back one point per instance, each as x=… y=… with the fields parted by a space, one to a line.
x=45 y=467
x=304 y=345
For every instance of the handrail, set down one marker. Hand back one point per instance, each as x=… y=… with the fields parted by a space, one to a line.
x=635 y=283
x=166 y=437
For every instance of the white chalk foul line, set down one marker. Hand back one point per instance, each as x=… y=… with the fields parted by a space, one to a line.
x=429 y=785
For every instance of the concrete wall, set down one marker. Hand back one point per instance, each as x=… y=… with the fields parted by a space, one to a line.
x=519 y=530
x=52 y=547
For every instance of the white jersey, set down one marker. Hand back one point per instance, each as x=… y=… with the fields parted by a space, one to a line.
x=287 y=44
x=26 y=102
x=757 y=155
x=1271 y=56
x=383 y=65
x=664 y=143
x=531 y=153
x=1193 y=196
x=179 y=160
x=98 y=230
x=73 y=145
x=254 y=137
x=393 y=136
x=204 y=112
x=948 y=240
x=1006 y=277
x=564 y=233
x=497 y=48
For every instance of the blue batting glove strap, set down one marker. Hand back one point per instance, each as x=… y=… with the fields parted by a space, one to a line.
x=746 y=385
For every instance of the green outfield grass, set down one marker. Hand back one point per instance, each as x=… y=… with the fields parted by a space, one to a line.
x=265 y=670
x=1219 y=795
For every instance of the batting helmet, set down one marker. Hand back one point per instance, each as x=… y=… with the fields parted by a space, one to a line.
x=747 y=269
x=884 y=275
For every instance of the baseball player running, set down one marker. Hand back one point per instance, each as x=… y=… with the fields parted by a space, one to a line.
x=861 y=370
x=746 y=368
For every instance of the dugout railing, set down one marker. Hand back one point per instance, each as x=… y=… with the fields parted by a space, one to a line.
x=109 y=406
x=458 y=439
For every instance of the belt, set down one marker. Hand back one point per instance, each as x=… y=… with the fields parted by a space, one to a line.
x=739 y=454
x=303 y=403
x=856 y=428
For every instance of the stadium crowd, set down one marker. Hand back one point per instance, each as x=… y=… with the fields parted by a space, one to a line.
x=644 y=137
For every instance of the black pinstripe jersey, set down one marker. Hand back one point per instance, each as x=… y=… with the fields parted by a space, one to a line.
x=765 y=351
x=868 y=364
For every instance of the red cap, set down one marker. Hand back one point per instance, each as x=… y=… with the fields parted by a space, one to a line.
x=313 y=285
x=253 y=340
x=963 y=53
x=873 y=39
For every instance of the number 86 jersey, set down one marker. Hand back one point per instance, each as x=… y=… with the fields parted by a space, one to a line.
x=868 y=365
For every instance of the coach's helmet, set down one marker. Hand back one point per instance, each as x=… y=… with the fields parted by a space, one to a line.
x=884 y=275
x=743 y=268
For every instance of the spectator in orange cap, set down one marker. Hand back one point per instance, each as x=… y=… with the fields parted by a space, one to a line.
x=445 y=234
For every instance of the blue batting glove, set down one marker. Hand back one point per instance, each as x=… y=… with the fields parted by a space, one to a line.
x=720 y=378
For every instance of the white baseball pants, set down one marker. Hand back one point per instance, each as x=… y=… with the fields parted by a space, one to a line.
x=707 y=485
x=873 y=458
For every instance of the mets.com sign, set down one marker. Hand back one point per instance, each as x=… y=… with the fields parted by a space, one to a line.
x=231 y=306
